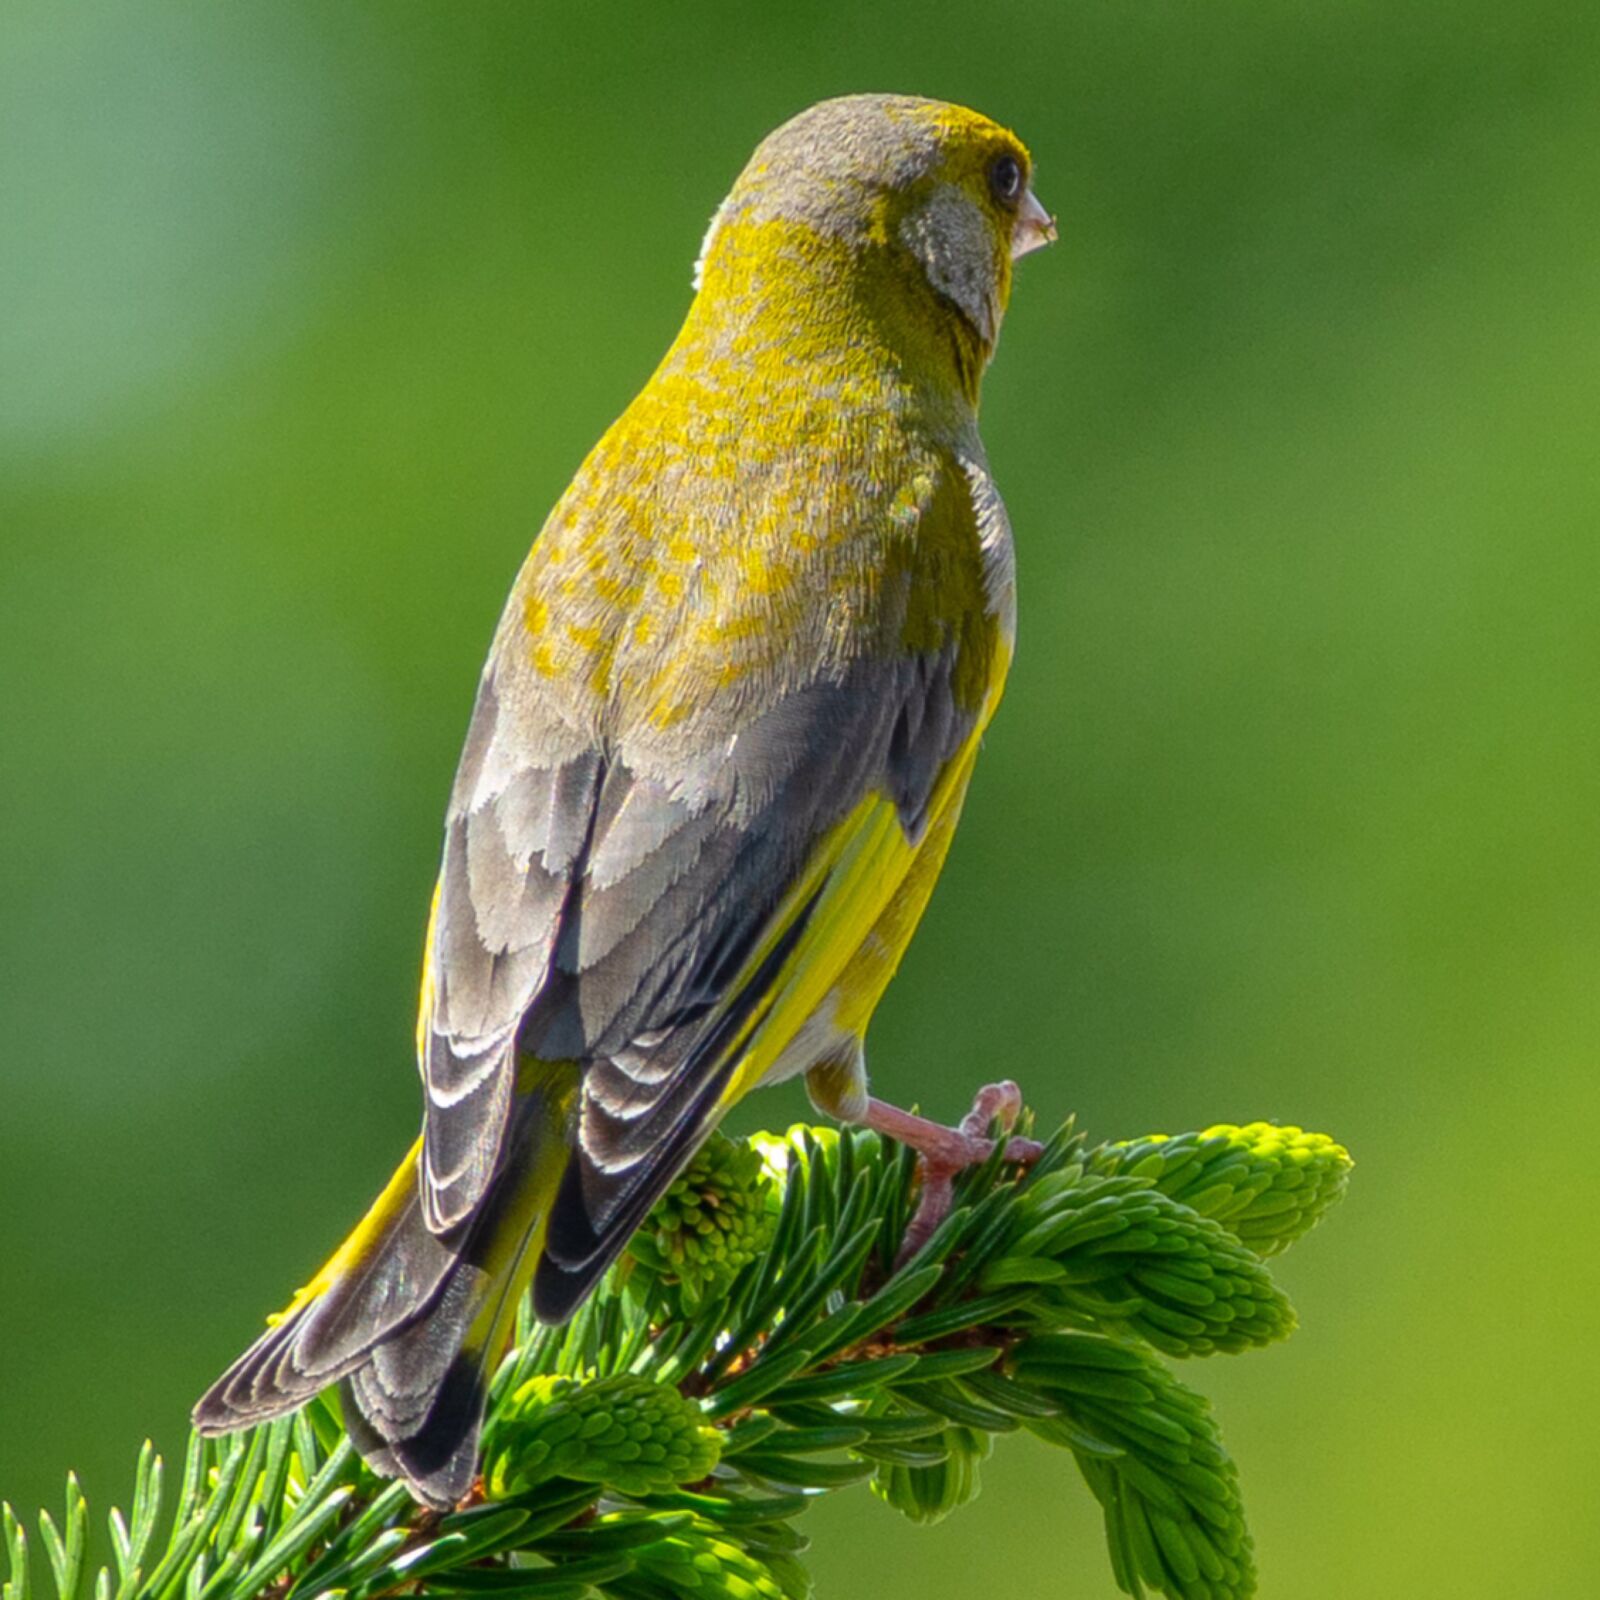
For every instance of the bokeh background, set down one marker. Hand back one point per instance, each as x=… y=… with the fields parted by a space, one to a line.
x=307 y=313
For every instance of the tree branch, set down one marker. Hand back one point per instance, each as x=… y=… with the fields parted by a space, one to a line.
x=757 y=1348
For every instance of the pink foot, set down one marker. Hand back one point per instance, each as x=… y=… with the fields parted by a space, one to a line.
x=947 y=1152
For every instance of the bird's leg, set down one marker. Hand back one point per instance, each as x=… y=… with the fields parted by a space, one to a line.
x=945 y=1152
x=837 y=1085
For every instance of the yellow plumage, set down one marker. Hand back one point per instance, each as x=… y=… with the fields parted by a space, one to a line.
x=720 y=749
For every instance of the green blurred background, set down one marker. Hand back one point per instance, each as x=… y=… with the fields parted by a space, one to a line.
x=306 y=315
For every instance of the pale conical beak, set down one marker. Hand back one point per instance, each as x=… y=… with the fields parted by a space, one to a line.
x=1034 y=227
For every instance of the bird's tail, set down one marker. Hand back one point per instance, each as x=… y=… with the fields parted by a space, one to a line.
x=410 y=1322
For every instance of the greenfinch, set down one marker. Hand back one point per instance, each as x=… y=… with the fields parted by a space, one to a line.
x=718 y=753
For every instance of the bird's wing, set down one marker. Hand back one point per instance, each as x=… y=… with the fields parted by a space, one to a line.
x=824 y=799
x=587 y=910
x=516 y=834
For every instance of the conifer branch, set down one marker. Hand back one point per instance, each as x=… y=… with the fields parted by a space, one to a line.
x=758 y=1348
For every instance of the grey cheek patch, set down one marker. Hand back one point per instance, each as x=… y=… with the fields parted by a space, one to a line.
x=951 y=237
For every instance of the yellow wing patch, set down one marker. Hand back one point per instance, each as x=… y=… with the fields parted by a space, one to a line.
x=862 y=867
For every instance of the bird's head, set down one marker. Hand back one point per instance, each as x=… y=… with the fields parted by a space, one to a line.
x=912 y=209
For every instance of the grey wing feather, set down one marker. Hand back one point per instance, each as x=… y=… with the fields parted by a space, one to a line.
x=519 y=815
x=653 y=1010
x=598 y=906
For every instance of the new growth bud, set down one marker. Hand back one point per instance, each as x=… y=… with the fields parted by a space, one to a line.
x=626 y=1432
x=715 y=1219
x=1268 y=1185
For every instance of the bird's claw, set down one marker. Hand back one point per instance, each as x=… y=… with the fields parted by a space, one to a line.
x=941 y=1161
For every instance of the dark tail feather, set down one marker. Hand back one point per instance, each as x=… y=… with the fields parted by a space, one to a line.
x=415 y=1410
x=387 y=1273
x=440 y=1459
x=409 y=1323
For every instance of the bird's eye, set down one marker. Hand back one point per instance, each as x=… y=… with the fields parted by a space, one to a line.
x=1005 y=179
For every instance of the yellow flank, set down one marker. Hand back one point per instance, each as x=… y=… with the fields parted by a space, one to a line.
x=877 y=887
x=859 y=864
x=863 y=981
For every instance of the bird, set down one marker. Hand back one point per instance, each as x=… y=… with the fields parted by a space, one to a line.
x=717 y=756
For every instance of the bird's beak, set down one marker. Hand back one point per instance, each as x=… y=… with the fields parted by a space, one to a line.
x=1034 y=227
